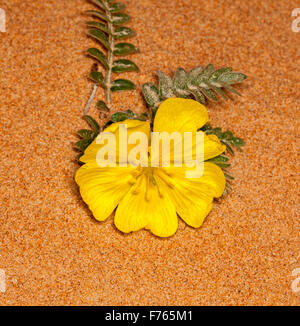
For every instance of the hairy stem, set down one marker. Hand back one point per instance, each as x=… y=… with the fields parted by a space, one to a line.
x=110 y=58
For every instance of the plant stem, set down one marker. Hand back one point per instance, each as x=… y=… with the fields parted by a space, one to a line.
x=110 y=55
x=89 y=102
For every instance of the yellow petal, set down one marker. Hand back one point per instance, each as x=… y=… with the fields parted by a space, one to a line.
x=90 y=153
x=208 y=147
x=181 y=115
x=137 y=125
x=103 y=188
x=143 y=207
x=212 y=146
x=193 y=197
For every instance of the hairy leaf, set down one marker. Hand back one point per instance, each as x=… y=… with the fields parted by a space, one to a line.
x=232 y=77
x=179 y=82
x=165 y=85
x=208 y=70
x=219 y=91
x=209 y=94
x=198 y=95
x=192 y=76
x=219 y=72
x=151 y=94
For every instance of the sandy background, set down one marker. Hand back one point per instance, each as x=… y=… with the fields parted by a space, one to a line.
x=54 y=252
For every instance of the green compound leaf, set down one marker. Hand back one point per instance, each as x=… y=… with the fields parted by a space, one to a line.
x=101 y=105
x=124 y=65
x=120 y=18
x=125 y=49
x=97 y=54
x=122 y=85
x=97 y=77
x=116 y=7
x=151 y=94
x=93 y=123
x=98 y=14
x=98 y=25
x=202 y=84
x=123 y=32
x=107 y=31
x=100 y=36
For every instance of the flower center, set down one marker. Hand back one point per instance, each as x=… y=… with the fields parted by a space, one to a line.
x=145 y=180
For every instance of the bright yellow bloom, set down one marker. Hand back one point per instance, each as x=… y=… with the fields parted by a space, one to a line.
x=151 y=197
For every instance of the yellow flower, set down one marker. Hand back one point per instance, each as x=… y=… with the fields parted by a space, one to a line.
x=151 y=197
